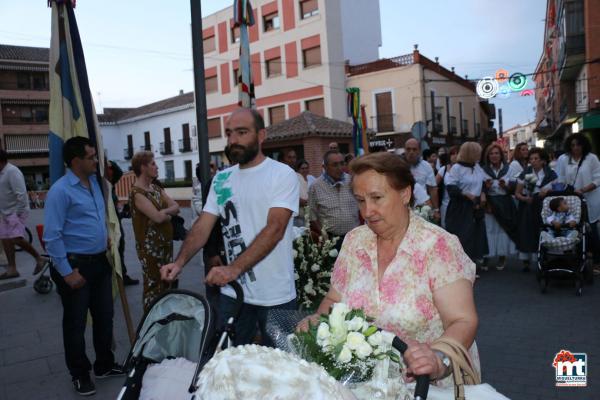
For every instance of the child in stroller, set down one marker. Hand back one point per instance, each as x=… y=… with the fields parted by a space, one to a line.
x=561 y=219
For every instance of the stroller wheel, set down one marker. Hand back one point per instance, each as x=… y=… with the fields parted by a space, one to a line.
x=43 y=285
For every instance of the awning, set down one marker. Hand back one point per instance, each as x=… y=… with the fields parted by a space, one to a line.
x=26 y=143
x=23 y=67
x=589 y=121
x=27 y=102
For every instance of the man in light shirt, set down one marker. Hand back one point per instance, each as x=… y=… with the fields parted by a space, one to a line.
x=422 y=172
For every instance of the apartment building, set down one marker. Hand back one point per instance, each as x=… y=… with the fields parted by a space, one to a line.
x=567 y=85
x=411 y=90
x=24 y=102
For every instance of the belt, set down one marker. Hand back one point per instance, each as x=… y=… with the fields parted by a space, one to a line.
x=86 y=257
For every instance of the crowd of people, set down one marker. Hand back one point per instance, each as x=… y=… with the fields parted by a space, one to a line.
x=414 y=276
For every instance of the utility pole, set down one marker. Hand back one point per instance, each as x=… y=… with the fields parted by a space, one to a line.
x=500 y=131
x=200 y=94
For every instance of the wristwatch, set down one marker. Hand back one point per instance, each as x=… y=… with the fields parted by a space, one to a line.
x=447 y=363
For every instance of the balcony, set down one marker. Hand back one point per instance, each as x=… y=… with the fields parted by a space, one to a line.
x=128 y=153
x=26 y=145
x=146 y=147
x=464 y=127
x=187 y=145
x=571 y=39
x=166 y=148
x=383 y=122
x=453 y=126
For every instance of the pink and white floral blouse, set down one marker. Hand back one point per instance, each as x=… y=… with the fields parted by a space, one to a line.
x=427 y=259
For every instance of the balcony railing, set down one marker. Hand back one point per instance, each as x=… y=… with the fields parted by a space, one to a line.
x=128 y=153
x=464 y=127
x=379 y=65
x=146 y=147
x=166 y=148
x=188 y=144
x=23 y=145
x=453 y=125
x=383 y=122
x=572 y=39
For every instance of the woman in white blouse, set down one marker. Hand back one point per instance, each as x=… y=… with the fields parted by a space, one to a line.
x=465 y=215
x=443 y=170
x=518 y=164
x=533 y=185
x=579 y=168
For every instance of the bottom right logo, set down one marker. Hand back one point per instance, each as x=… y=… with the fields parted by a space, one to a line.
x=571 y=368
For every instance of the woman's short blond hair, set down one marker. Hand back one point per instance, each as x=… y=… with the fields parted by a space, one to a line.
x=141 y=158
x=469 y=152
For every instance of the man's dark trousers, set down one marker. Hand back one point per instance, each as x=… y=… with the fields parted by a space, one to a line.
x=95 y=296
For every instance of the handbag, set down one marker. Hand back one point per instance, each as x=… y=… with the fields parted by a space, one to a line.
x=462 y=366
x=179 y=231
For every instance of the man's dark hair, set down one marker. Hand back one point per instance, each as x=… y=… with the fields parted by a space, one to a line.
x=3 y=156
x=555 y=203
x=327 y=154
x=426 y=153
x=75 y=147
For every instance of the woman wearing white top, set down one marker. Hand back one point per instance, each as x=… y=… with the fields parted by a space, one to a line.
x=579 y=168
x=533 y=185
x=518 y=164
x=465 y=217
x=501 y=213
x=439 y=178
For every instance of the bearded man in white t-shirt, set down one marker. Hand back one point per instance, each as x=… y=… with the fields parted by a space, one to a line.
x=255 y=200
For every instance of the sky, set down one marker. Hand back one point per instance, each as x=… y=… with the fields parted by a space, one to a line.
x=139 y=51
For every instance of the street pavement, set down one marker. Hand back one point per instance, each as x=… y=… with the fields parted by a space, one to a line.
x=520 y=330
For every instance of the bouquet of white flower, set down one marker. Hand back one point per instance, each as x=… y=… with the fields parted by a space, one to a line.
x=425 y=212
x=530 y=182
x=313 y=262
x=346 y=344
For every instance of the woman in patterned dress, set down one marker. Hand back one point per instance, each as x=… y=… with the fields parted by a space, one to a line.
x=410 y=275
x=151 y=211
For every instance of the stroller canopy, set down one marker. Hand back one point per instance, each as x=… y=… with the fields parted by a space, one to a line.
x=175 y=326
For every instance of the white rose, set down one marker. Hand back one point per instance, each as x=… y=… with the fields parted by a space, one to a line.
x=345 y=355
x=333 y=253
x=354 y=340
x=337 y=322
x=355 y=324
x=315 y=268
x=296 y=276
x=375 y=339
x=364 y=350
x=387 y=337
x=294 y=253
x=323 y=331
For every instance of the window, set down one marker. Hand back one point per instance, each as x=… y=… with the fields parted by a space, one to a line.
x=209 y=44
x=309 y=8
x=169 y=170
x=187 y=168
x=24 y=114
x=276 y=114
x=147 y=145
x=212 y=85
x=311 y=57
x=385 y=112
x=271 y=22
x=214 y=127
x=128 y=153
x=235 y=34
x=235 y=76
x=316 y=106
x=438 y=125
x=166 y=147
x=465 y=127
x=274 y=67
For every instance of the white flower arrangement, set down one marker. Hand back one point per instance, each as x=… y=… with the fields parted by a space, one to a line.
x=530 y=181
x=313 y=262
x=346 y=344
x=425 y=212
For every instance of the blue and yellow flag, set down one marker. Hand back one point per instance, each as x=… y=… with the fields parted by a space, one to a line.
x=72 y=110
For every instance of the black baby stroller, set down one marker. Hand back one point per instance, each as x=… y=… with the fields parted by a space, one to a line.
x=178 y=325
x=564 y=256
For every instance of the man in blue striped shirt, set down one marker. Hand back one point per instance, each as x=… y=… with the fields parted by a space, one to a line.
x=76 y=237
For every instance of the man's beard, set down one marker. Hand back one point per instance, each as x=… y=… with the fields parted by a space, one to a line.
x=241 y=154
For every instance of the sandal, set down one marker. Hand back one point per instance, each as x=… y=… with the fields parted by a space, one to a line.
x=6 y=275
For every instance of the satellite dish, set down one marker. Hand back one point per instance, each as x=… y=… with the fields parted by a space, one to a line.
x=419 y=132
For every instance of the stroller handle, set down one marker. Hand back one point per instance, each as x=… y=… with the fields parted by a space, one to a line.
x=239 y=297
x=422 y=387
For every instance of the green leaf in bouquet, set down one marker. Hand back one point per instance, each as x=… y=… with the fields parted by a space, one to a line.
x=371 y=330
x=355 y=313
x=393 y=356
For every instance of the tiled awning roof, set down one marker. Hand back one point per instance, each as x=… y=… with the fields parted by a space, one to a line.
x=24 y=53
x=15 y=66
x=309 y=124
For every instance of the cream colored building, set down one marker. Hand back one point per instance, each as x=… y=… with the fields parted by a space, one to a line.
x=398 y=92
x=523 y=133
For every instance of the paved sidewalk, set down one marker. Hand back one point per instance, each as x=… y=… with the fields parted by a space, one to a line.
x=520 y=331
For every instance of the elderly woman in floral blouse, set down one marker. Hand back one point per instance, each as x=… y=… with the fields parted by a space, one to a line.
x=411 y=276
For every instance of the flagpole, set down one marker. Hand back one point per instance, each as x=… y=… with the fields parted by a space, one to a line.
x=200 y=93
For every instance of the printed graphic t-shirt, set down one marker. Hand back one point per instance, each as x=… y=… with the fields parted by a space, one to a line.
x=242 y=198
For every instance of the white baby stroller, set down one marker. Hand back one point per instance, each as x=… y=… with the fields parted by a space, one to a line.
x=564 y=255
x=177 y=331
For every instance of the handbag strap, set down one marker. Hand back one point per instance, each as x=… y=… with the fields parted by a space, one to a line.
x=462 y=365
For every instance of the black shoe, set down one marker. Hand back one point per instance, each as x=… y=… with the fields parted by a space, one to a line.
x=128 y=281
x=115 y=370
x=84 y=386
